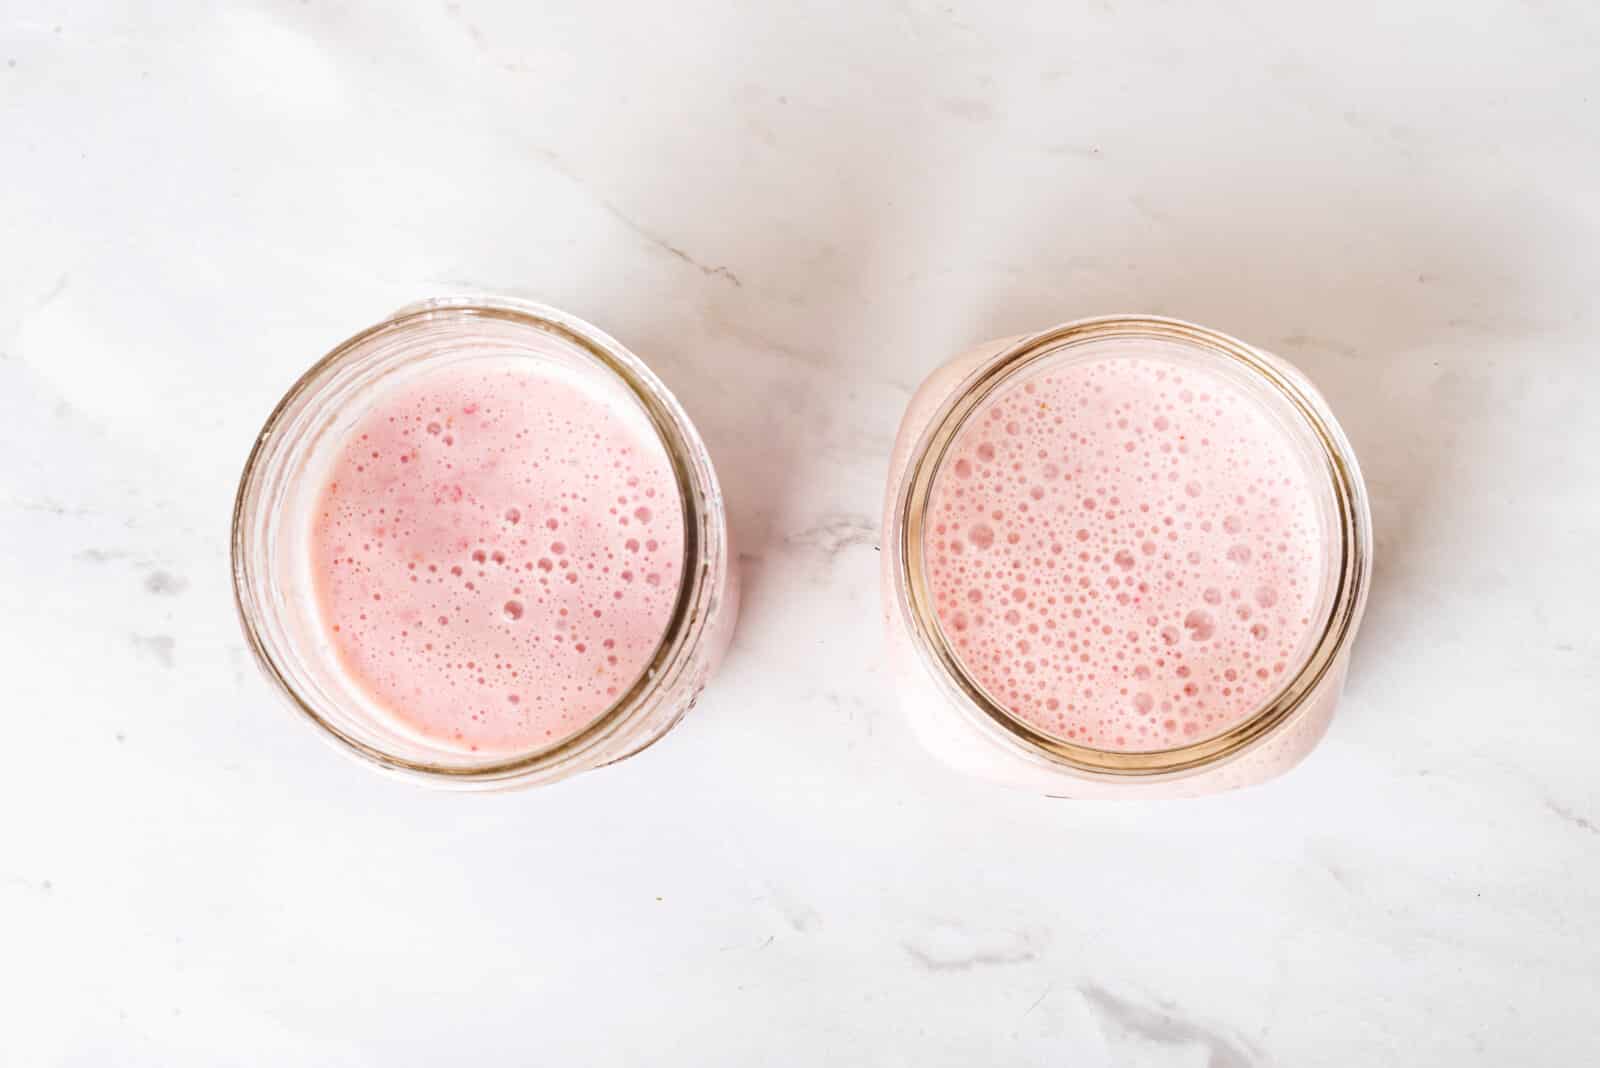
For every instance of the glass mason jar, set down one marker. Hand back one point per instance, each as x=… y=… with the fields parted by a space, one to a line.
x=272 y=521
x=963 y=724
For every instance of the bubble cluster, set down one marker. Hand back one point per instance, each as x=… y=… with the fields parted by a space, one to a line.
x=497 y=551
x=1125 y=553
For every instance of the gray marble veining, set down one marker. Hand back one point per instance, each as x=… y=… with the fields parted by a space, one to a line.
x=794 y=213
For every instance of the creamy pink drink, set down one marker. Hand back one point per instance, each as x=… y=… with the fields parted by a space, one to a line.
x=496 y=551
x=1123 y=558
x=1124 y=553
x=480 y=545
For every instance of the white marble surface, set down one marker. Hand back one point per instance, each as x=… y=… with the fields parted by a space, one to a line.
x=794 y=214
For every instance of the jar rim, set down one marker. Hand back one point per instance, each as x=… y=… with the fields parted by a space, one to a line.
x=1349 y=580
x=705 y=544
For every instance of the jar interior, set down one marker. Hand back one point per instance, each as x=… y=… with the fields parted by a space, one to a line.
x=296 y=456
x=956 y=625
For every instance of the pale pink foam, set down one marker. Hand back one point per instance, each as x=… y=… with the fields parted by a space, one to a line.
x=496 y=553
x=1125 y=554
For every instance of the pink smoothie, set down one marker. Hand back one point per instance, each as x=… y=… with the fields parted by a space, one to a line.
x=496 y=552
x=1124 y=553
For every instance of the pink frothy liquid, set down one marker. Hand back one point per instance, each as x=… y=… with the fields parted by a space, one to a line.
x=1124 y=553
x=497 y=551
